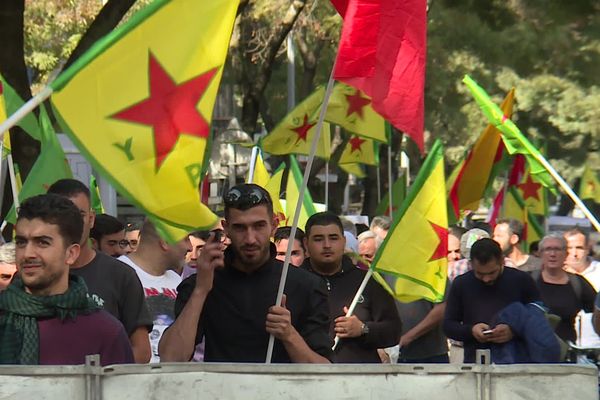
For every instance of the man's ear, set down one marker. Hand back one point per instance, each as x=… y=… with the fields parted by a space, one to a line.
x=72 y=253
x=164 y=246
x=514 y=239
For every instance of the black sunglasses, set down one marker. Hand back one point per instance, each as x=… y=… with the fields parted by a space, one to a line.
x=246 y=196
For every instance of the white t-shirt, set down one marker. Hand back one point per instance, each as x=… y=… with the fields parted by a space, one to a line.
x=161 y=292
x=587 y=337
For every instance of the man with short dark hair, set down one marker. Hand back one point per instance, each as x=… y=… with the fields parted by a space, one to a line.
x=281 y=239
x=478 y=295
x=509 y=234
x=108 y=236
x=115 y=285
x=375 y=323
x=229 y=302
x=46 y=315
x=132 y=235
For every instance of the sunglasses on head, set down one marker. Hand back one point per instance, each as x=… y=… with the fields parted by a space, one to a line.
x=246 y=196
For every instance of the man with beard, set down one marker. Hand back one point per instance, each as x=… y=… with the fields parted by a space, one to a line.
x=477 y=296
x=509 y=234
x=153 y=263
x=230 y=300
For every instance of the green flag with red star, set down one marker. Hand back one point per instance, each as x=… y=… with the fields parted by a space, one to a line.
x=138 y=105
x=294 y=134
x=413 y=255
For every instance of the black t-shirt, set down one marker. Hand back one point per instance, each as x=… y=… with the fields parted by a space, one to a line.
x=375 y=308
x=234 y=314
x=563 y=301
x=118 y=289
x=471 y=301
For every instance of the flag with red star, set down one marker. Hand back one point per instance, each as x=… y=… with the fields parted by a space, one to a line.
x=139 y=104
x=590 y=185
x=360 y=150
x=478 y=169
x=351 y=109
x=293 y=135
x=413 y=255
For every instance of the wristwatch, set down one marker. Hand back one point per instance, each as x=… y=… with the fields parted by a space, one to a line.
x=364 y=329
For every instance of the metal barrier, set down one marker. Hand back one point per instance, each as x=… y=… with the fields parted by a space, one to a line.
x=186 y=381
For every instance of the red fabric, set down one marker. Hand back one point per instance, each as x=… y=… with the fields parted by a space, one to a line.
x=382 y=52
x=340 y=6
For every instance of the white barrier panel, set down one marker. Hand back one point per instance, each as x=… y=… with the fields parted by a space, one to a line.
x=185 y=381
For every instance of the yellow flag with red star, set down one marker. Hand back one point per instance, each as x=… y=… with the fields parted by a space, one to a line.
x=590 y=185
x=360 y=150
x=412 y=258
x=351 y=109
x=533 y=194
x=294 y=134
x=138 y=105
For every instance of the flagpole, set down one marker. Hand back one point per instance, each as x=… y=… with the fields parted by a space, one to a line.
x=568 y=190
x=378 y=185
x=253 y=158
x=390 y=183
x=311 y=157
x=24 y=110
x=327 y=185
x=13 y=182
x=357 y=296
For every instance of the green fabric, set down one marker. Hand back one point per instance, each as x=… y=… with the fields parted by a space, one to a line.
x=20 y=311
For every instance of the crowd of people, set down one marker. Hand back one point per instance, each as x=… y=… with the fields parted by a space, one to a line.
x=74 y=283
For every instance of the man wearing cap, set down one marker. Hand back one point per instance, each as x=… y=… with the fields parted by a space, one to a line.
x=230 y=302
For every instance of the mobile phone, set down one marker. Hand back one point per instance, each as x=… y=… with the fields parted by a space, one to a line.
x=488 y=332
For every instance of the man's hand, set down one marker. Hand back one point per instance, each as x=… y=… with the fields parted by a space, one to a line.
x=209 y=258
x=405 y=340
x=279 y=322
x=477 y=332
x=501 y=334
x=348 y=327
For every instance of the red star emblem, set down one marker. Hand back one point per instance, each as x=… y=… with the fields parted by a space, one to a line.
x=356 y=103
x=441 y=250
x=302 y=131
x=529 y=188
x=356 y=143
x=170 y=109
x=591 y=186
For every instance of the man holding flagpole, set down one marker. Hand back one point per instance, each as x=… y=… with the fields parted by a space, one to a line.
x=229 y=302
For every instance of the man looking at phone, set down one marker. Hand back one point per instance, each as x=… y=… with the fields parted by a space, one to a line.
x=477 y=296
x=230 y=300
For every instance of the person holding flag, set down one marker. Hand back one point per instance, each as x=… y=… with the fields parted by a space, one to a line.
x=375 y=323
x=229 y=302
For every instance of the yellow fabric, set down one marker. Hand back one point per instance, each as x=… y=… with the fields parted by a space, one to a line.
x=513 y=207
x=535 y=205
x=359 y=150
x=273 y=186
x=292 y=194
x=188 y=38
x=294 y=134
x=590 y=185
x=261 y=175
x=354 y=169
x=476 y=170
x=6 y=138
x=410 y=245
x=339 y=111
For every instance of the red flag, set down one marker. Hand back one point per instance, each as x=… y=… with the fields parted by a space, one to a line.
x=340 y=6
x=382 y=52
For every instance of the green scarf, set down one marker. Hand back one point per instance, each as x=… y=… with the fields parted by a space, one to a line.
x=20 y=310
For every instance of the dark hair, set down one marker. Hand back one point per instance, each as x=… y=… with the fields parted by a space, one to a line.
x=105 y=225
x=514 y=226
x=69 y=188
x=204 y=235
x=322 y=219
x=56 y=210
x=484 y=250
x=246 y=196
x=283 y=232
x=133 y=226
x=360 y=228
x=456 y=231
x=534 y=247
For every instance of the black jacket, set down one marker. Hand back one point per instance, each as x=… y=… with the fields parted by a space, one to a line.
x=376 y=309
